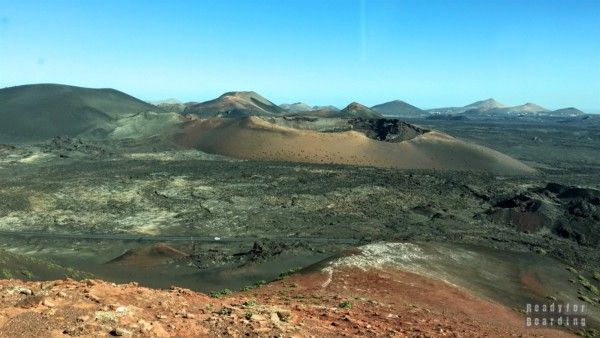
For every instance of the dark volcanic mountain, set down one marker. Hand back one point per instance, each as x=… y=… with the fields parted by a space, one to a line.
x=235 y=104
x=399 y=108
x=356 y=109
x=41 y=111
x=567 y=112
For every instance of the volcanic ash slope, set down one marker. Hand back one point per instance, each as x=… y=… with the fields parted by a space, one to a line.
x=258 y=139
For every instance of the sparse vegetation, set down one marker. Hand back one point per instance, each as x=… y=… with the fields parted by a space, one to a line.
x=254 y=286
x=225 y=311
x=589 y=333
x=585 y=299
x=589 y=286
x=27 y=273
x=249 y=303
x=220 y=293
x=284 y=316
x=5 y=274
x=347 y=304
x=289 y=272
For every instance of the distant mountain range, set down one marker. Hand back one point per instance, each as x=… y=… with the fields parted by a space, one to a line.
x=300 y=107
x=353 y=110
x=40 y=111
x=237 y=104
x=296 y=107
x=248 y=126
x=491 y=108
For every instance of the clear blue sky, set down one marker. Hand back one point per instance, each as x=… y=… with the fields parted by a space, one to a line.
x=428 y=53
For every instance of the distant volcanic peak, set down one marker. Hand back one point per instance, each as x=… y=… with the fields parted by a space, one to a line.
x=296 y=107
x=356 y=109
x=531 y=107
x=249 y=96
x=330 y=107
x=235 y=104
x=43 y=90
x=166 y=101
x=394 y=102
x=355 y=105
x=399 y=108
x=486 y=104
x=569 y=111
x=242 y=94
x=401 y=102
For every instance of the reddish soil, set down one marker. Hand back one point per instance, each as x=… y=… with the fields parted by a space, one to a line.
x=372 y=303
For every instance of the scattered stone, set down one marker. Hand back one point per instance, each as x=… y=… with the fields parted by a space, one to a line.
x=121 y=309
x=26 y=291
x=120 y=332
x=94 y=298
x=188 y=315
x=144 y=325
x=47 y=285
x=284 y=315
x=29 y=302
x=48 y=303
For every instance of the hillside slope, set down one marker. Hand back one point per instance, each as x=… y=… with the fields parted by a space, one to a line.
x=41 y=111
x=259 y=139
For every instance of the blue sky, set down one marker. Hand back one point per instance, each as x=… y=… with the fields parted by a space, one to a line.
x=428 y=53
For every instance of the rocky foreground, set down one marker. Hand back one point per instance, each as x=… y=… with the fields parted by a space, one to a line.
x=342 y=298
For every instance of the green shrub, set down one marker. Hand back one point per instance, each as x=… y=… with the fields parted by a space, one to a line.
x=27 y=273
x=289 y=272
x=220 y=293
x=226 y=311
x=5 y=274
x=249 y=303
